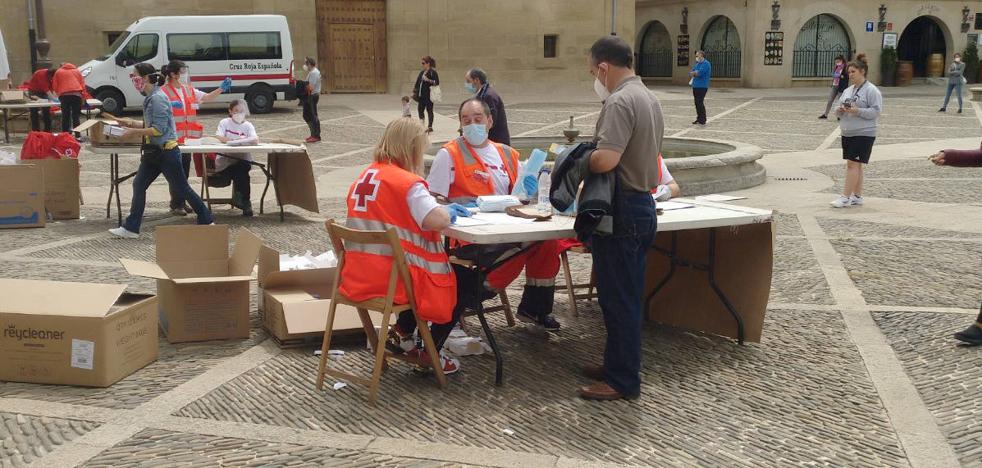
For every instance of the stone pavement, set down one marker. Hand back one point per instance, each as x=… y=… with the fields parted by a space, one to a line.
x=857 y=366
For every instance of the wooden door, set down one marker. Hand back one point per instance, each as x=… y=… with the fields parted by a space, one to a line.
x=351 y=45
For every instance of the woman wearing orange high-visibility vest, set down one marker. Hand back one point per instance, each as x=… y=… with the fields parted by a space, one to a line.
x=389 y=193
x=184 y=100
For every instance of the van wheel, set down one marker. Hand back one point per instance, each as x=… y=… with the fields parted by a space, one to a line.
x=260 y=101
x=113 y=101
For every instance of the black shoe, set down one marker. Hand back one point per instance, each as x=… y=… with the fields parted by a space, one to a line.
x=694 y=122
x=942 y=110
x=547 y=322
x=247 y=211
x=188 y=209
x=823 y=116
x=971 y=335
x=239 y=201
x=959 y=111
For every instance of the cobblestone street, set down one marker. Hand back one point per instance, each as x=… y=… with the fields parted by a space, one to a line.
x=857 y=366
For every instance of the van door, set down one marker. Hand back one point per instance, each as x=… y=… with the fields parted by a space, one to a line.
x=142 y=47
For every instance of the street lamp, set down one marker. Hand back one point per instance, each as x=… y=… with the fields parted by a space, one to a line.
x=965 y=23
x=881 y=25
x=775 y=22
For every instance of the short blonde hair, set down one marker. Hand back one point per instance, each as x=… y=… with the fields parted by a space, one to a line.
x=403 y=144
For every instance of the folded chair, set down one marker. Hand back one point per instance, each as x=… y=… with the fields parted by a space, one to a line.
x=339 y=235
x=570 y=287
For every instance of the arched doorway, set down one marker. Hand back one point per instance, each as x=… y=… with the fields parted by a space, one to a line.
x=921 y=38
x=820 y=41
x=655 y=58
x=721 y=43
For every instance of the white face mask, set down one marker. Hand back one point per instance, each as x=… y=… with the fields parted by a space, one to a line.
x=600 y=87
x=306 y=68
x=239 y=117
x=958 y=59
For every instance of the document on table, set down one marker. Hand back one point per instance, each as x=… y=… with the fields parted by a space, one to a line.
x=719 y=198
x=465 y=222
x=500 y=218
x=671 y=205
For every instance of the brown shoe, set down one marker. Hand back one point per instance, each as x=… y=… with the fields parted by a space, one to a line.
x=593 y=372
x=602 y=391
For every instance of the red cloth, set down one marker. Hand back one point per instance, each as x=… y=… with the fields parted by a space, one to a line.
x=45 y=145
x=963 y=158
x=39 y=82
x=68 y=79
x=540 y=262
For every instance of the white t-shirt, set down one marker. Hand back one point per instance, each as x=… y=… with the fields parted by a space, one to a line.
x=420 y=203
x=442 y=171
x=666 y=176
x=238 y=134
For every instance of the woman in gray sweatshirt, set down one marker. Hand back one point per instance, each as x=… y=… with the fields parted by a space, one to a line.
x=956 y=73
x=859 y=112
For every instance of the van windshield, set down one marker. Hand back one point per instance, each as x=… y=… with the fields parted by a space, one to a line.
x=115 y=45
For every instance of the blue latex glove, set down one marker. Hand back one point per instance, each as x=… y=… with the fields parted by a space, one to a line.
x=531 y=185
x=226 y=84
x=455 y=210
x=177 y=104
x=472 y=204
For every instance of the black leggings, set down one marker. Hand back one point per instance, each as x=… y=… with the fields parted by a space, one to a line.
x=466 y=286
x=427 y=105
x=71 y=111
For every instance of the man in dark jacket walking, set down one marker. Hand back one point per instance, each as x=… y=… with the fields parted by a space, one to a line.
x=476 y=81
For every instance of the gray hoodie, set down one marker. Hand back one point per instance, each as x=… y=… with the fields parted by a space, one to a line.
x=870 y=103
x=956 y=70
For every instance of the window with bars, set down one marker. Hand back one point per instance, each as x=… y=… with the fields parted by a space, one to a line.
x=820 y=41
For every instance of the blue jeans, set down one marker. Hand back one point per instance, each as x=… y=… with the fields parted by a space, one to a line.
x=953 y=86
x=619 y=262
x=169 y=165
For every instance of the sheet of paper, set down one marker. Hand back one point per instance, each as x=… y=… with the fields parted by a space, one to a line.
x=500 y=218
x=671 y=205
x=465 y=222
x=719 y=198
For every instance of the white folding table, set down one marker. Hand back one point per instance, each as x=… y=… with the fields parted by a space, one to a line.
x=8 y=107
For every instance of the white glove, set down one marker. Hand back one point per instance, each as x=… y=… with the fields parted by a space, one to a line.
x=663 y=193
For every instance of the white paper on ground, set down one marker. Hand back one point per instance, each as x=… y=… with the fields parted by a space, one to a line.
x=501 y=218
x=339 y=385
x=508 y=431
x=719 y=198
x=671 y=205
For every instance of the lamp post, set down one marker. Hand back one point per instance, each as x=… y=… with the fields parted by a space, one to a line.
x=881 y=25
x=965 y=23
x=775 y=21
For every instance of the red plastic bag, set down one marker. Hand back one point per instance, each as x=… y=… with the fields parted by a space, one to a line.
x=46 y=145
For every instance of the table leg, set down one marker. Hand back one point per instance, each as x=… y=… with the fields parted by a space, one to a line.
x=671 y=254
x=262 y=199
x=112 y=183
x=119 y=207
x=719 y=293
x=6 y=127
x=274 y=169
x=498 y=360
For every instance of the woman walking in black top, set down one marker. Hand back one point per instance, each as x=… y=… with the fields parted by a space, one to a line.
x=421 y=90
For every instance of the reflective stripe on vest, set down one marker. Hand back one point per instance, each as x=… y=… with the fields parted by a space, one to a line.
x=411 y=258
x=185 y=119
x=404 y=234
x=465 y=163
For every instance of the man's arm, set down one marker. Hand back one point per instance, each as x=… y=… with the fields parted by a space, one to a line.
x=604 y=160
x=613 y=133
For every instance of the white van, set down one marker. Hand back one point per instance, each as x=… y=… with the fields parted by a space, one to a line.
x=255 y=50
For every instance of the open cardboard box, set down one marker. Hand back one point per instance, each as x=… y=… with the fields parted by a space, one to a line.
x=100 y=135
x=294 y=304
x=74 y=333
x=203 y=291
x=21 y=196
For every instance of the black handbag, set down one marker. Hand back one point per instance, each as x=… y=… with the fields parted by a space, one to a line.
x=150 y=154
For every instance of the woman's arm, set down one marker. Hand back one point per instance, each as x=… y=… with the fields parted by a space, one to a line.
x=875 y=101
x=435 y=81
x=156 y=117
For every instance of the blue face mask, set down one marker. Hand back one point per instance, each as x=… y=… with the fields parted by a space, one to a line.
x=476 y=134
x=470 y=87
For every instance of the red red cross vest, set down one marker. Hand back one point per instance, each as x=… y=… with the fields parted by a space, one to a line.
x=186 y=118
x=468 y=184
x=376 y=202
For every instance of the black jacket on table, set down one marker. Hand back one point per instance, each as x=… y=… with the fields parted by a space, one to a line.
x=594 y=211
x=499 y=129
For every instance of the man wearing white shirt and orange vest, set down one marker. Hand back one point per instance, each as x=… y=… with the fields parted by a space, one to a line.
x=472 y=166
x=184 y=100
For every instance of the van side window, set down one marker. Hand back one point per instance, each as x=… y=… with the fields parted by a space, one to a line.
x=196 y=47
x=141 y=48
x=254 y=45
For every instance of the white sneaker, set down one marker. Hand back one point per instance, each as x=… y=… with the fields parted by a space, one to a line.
x=856 y=200
x=124 y=233
x=841 y=202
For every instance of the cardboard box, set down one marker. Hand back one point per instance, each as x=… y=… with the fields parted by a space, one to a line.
x=203 y=291
x=74 y=333
x=295 y=304
x=13 y=96
x=21 y=196
x=99 y=135
x=61 y=187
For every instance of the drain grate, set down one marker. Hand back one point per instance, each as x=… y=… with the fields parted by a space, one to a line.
x=791 y=179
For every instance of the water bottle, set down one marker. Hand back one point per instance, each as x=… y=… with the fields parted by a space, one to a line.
x=545 y=180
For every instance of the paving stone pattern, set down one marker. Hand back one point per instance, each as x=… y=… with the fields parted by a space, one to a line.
x=796 y=276
x=25 y=439
x=154 y=448
x=947 y=375
x=705 y=401
x=847 y=228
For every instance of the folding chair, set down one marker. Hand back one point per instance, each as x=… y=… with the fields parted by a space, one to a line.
x=570 y=287
x=502 y=296
x=339 y=235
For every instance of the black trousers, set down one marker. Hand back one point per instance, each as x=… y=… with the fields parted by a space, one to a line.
x=71 y=111
x=45 y=117
x=310 y=115
x=176 y=199
x=425 y=105
x=238 y=175
x=466 y=284
x=699 y=94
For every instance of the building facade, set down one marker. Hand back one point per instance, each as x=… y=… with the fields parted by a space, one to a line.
x=374 y=46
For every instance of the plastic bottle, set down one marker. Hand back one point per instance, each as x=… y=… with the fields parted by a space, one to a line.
x=545 y=180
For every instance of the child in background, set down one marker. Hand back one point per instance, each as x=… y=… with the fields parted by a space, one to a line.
x=406 y=111
x=235 y=130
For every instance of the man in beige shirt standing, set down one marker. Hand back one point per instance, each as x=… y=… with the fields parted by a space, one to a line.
x=628 y=136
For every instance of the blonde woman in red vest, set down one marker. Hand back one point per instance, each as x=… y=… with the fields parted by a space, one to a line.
x=473 y=165
x=389 y=193
x=185 y=100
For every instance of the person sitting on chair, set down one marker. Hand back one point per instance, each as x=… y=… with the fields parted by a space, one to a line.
x=389 y=193
x=235 y=130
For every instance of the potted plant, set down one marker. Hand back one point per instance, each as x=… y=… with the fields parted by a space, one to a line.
x=971 y=59
x=888 y=66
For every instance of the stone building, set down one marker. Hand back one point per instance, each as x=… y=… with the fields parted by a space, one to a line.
x=539 y=46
